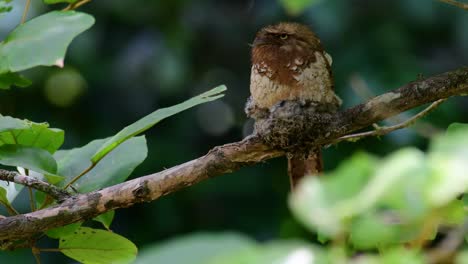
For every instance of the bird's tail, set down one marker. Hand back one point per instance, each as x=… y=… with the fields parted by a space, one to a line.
x=302 y=165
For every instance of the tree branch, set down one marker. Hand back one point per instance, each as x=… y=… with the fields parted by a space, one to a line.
x=456 y=3
x=447 y=248
x=55 y=192
x=380 y=131
x=323 y=129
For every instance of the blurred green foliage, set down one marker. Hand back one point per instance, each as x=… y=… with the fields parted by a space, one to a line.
x=140 y=57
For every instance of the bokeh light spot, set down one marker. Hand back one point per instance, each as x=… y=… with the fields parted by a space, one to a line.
x=215 y=118
x=64 y=87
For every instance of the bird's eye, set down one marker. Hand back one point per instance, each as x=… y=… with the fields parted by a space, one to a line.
x=283 y=36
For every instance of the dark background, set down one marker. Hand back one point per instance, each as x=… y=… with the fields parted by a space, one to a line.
x=143 y=55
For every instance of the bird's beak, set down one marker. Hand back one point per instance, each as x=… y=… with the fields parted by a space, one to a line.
x=259 y=41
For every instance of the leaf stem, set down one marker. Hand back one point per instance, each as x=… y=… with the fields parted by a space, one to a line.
x=76 y=5
x=79 y=176
x=31 y=199
x=25 y=11
x=30 y=192
x=36 y=253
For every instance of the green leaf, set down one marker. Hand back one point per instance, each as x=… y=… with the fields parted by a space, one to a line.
x=285 y=252
x=9 y=191
x=281 y=252
x=315 y=198
x=448 y=159
x=402 y=256
x=295 y=7
x=194 y=249
x=453 y=213
x=105 y=219
x=38 y=161
x=63 y=231
x=5 y=8
x=462 y=257
x=9 y=123
x=399 y=174
x=35 y=159
x=114 y=168
x=456 y=127
x=89 y=245
x=150 y=120
x=29 y=134
x=371 y=231
x=396 y=189
x=42 y=40
x=11 y=78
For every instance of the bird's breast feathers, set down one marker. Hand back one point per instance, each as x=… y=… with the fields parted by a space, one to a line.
x=295 y=78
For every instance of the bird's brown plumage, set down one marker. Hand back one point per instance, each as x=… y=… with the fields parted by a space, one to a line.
x=290 y=63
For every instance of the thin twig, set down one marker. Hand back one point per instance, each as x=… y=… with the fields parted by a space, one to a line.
x=31 y=199
x=55 y=192
x=25 y=11
x=76 y=5
x=36 y=253
x=455 y=3
x=380 y=131
x=448 y=246
x=359 y=86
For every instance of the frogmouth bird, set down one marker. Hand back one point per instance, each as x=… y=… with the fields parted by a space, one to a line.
x=290 y=64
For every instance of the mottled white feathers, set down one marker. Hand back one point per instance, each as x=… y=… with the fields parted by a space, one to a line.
x=313 y=83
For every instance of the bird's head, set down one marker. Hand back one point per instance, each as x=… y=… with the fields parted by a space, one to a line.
x=287 y=37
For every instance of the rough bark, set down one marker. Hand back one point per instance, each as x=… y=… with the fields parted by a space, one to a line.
x=315 y=128
x=55 y=192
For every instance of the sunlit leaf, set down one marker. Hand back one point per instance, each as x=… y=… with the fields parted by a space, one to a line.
x=462 y=257
x=314 y=200
x=372 y=230
x=89 y=245
x=63 y=230
x=105 y=219
x=401 y=173
x=279 y=252
x=42 y=40
x=29 y=134
x=150 y=120
x=448 y=159
x=402 y=256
